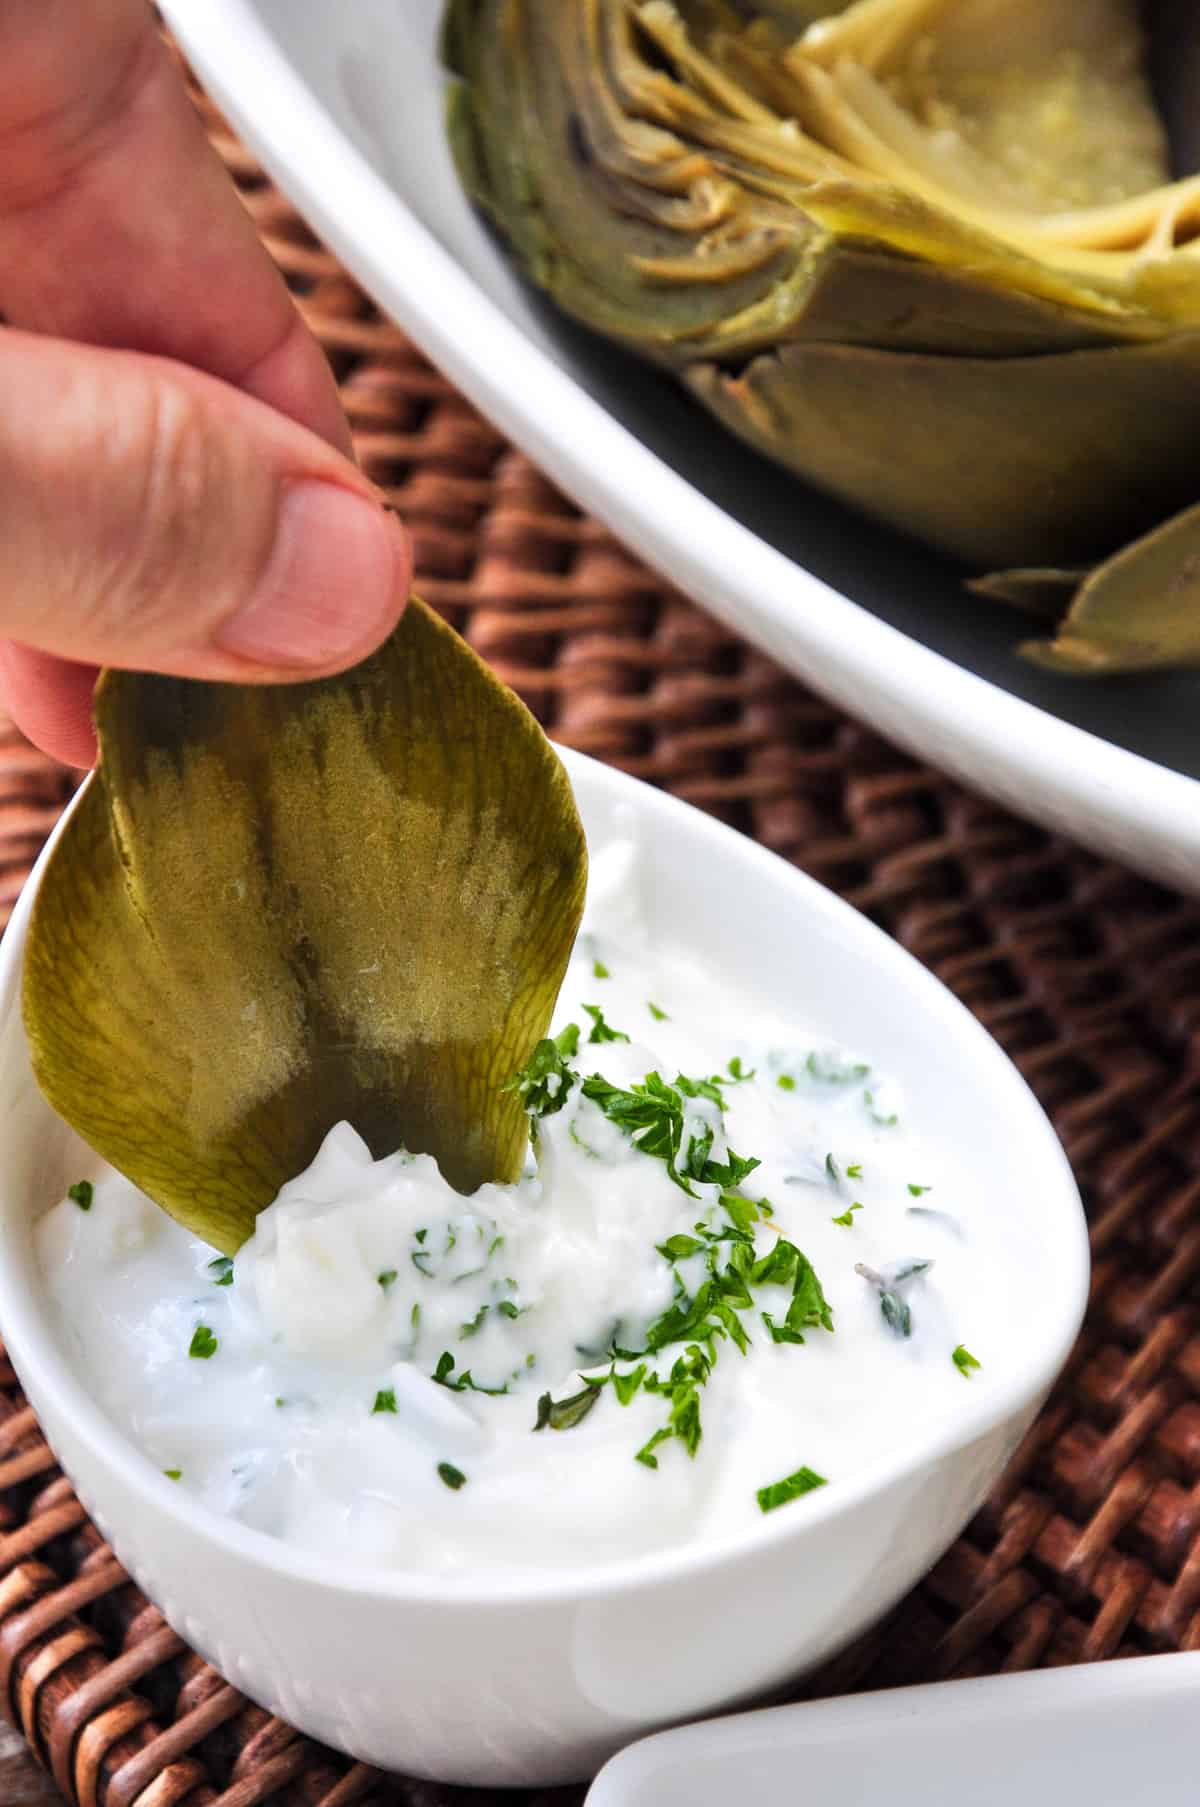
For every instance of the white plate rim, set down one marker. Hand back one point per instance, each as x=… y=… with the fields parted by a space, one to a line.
x=1120 y=802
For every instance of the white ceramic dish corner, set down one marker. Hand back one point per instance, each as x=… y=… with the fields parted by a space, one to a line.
x=344 y=106
x=1110 y=1734
x=495 y=1682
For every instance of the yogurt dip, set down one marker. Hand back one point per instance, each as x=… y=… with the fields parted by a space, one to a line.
x=729 y=1276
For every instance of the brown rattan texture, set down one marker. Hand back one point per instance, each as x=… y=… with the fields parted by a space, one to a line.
x=1090 y=1547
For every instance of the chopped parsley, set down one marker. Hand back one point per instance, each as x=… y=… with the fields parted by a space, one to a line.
x=660 y=1016
x=600 y=1030
x=831 y=1069
x=385 y=1400
x=651 y=1113
x=463 y=1383
x=547 y=1077
x=173 y=1474
x=599 y=970
x=964 y=1361
x=203 y=1344
x=855 y=1172
x=452 y=1476
x=893 y=1307
x=81 y=1194
x=831 y=1168
x=786 y=1083
x=885 y=1120
x=565 y=1414
x=701 y=1321
x=737 y=1072
x=793 y=1487
x=918 y=1191
x=387 y=1278
x=221 y=1270
x=475 y=1323
x=847 y=1217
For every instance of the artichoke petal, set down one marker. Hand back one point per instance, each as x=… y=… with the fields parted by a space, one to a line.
x=274 y=908
x=1139 y=611
x=1113 y=449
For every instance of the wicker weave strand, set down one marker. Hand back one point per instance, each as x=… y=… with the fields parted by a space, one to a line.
x=1090 y=1546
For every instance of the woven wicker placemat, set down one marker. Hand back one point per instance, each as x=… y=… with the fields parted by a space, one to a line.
x=1090 y=1547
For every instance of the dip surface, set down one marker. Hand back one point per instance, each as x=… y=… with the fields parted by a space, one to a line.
x=365 y=1378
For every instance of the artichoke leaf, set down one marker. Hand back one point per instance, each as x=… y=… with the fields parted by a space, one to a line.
x=1035 y=590
x=1139 y=611
x=1034 y=461
x=274 y=908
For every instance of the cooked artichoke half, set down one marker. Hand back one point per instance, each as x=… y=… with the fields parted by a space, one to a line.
x=275 y=908
x=929 y=254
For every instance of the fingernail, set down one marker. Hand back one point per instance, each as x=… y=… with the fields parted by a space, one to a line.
x=333 y=586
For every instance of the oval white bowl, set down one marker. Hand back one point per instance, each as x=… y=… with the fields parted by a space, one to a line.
x=497 y=1681
x=343 y=105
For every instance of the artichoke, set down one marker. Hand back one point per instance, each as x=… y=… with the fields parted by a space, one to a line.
x=275 y=908
x=928 y=254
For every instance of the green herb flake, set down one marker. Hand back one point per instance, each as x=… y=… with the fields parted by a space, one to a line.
x=855 y=1172
x=830 y=1069
x=475 y=1323
x=786 y=1083
x=173 y=1474
x=831 y=1168
x=82 y=1194
x=660 y=1016
x=918 y=1191
x=465 y=1382
x=964 y=1361
x=847 y=1217
x=454 y=1478
x=599 y=970
x=280 y=1402
x=385 y=1400
x=203 y=1345
x=387 y=1278
x=738 y=1073
x=545 y=1081
x=565 y=1414
x=221 y=1270
x=652 y=1113
x=792 y=1487
x=600 y=1030
x=885 y=1121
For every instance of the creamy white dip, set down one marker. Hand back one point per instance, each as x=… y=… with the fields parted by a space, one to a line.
x=294 y=1389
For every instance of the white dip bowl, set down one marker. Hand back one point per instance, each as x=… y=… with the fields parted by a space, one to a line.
x=506 y=1681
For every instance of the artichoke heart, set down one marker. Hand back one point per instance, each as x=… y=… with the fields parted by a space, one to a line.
x=275 y=908
x=928 y=254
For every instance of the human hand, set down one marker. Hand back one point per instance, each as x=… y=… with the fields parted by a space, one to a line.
x=176 y=485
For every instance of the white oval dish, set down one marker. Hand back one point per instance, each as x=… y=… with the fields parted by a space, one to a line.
x=517 y=1681
x=343 y=105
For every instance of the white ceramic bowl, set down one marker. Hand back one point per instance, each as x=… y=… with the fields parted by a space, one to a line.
x=495 y=1681
x=343 y=104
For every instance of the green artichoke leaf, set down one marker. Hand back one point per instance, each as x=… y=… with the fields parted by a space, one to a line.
x=1035 y=590
x=275 y=908
x=999 y=461
x=1139 y=611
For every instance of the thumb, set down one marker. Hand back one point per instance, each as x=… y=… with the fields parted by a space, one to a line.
x=154 y=517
